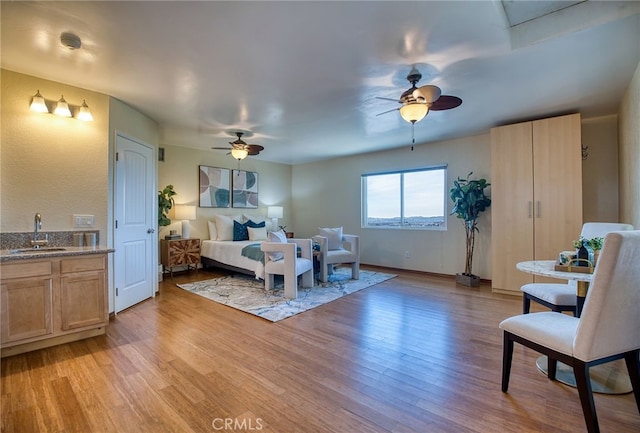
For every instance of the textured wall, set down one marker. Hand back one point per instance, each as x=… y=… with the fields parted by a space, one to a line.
x=52 y=165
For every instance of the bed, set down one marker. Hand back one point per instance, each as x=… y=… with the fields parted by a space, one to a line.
x=228 y=255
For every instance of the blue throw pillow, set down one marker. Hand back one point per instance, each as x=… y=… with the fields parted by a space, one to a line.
x=240 y=232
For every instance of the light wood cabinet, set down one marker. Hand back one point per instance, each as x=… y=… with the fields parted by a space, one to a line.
x=51 y=301
x=536 y=193
x=179 y=252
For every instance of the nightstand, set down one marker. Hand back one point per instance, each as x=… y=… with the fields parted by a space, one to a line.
x=179 y=252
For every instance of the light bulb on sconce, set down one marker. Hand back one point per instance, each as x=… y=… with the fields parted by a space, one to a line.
x=38 y=104
x=85 y=114
x=274 y=212
x=185 y=213
x=62 y=108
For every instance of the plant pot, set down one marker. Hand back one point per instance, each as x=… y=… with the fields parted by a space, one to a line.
x=468 y=280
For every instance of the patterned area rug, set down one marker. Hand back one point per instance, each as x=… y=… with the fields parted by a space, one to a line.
x=247 y=294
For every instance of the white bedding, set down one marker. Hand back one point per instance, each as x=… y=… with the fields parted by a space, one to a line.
x=230 y=253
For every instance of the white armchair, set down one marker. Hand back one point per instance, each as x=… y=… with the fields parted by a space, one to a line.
x=329 y=257
x=291 y=266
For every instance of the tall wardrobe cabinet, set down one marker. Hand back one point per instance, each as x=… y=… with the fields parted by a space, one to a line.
x=536 y=194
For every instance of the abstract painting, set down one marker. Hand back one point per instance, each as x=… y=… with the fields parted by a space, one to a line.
x=245 y=189
x=214 y=187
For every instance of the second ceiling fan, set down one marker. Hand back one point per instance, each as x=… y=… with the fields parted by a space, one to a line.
x=241 y=149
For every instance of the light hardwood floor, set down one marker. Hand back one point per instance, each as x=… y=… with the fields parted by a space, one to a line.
x=412 y=354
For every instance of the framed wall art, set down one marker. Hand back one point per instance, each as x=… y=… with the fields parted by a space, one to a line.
x=214 y=187
x=245 y=189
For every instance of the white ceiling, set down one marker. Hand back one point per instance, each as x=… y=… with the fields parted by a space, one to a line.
x=303 y=76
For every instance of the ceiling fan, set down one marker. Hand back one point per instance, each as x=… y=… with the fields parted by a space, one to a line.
x=240 y=149
x=418 y=101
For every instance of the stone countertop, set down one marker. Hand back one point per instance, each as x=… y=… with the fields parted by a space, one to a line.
x=48 y=252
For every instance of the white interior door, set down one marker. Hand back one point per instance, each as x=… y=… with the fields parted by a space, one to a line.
x=135 y=258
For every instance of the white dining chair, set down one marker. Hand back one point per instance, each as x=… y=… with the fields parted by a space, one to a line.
x=561 y=297
x=607 y=329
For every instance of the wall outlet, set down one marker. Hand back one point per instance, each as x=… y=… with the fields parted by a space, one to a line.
x=83 y=221
x=407 y=255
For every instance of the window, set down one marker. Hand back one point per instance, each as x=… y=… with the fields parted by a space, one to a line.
x=411 y=199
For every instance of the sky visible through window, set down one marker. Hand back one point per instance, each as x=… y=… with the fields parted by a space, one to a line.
x=423 y=194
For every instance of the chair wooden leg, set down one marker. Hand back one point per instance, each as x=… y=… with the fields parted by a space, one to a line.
x=507 y=356
x=632 y=360
x=526 y=304
x=583 y=383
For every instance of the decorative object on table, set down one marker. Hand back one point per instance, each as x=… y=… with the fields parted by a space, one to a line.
x=185 y=213
x=247 y=294
x=587 y=250
x=214 y=186
x=580 y=266
x=165 y=203
x=275 y=212
x=244 y=186
x=469 y=201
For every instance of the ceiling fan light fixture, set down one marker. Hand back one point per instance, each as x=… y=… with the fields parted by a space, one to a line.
x=239 y=154
x=414 y=112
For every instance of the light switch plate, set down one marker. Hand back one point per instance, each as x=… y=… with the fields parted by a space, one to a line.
x=83 y=221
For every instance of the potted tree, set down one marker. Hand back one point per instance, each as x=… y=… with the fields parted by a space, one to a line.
x=469 y=200
x=165 y=203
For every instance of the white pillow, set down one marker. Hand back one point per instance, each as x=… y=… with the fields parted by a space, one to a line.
x=213 y=232
x=334 y=237
x=224 y=226
x=257 y=233
x=279 y=237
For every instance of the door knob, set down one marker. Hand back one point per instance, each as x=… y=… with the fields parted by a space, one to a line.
x=150 y=231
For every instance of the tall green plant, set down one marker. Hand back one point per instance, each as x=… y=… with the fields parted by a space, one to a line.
x=469 y=200
x=165 y=203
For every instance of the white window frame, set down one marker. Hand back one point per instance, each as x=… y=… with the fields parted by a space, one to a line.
x=403 y=225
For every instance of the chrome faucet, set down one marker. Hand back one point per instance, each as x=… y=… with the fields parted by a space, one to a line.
x=37 y=224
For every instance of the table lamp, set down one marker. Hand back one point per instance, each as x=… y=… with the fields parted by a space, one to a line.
x=185 y=213
x=274 y=212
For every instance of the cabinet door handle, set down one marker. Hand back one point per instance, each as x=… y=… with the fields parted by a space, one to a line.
x=537 y=209
x=529 y=208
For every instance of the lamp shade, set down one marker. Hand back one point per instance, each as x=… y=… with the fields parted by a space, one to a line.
x=85 y=113
x=414 y=112
x=275 y=212
x=185 y=212
x=38 y=104
x=62 y=108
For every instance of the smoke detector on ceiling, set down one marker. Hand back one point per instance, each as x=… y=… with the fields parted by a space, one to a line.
x=70 y=40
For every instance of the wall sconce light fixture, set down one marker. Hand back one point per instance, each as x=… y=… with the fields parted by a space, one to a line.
x=62 y=108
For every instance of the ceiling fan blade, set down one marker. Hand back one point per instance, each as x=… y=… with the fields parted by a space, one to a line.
x=446 y=102
x=254 y=149
x=427 y=94
x=221 y=148
x=388 y=111
x=388 y=99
